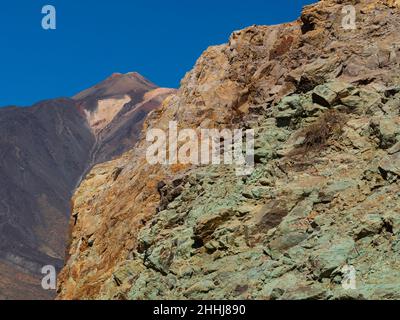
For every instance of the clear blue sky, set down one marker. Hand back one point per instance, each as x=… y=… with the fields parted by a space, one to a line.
x=161 y=39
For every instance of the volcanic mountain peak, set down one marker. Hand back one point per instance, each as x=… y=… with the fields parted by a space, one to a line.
x=119 y=94
x=117 y=85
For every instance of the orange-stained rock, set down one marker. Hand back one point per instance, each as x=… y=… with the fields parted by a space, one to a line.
x=288 y=226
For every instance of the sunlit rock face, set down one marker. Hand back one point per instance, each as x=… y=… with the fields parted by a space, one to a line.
x=324 y=102
x=46 y=150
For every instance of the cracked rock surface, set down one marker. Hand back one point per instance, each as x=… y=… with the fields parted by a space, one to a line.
x=325 y=106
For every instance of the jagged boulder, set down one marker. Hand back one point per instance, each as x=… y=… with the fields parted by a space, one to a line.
x=391 y=164
x=329 y=94
x=387 y=130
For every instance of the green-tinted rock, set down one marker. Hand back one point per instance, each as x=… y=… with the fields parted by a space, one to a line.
x=331 y=255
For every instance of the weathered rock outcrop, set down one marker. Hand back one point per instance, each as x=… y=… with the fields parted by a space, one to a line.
x=325 y=105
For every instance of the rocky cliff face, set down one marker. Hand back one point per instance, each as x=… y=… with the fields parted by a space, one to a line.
x=45 y=150
x=325 y=105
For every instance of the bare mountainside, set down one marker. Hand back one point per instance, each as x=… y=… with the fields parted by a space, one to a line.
x=324 y=102
x=45 y=150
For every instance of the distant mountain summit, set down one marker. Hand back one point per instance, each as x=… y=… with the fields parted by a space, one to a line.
x=117 y=84
x=45 y=151
x=115 y=110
